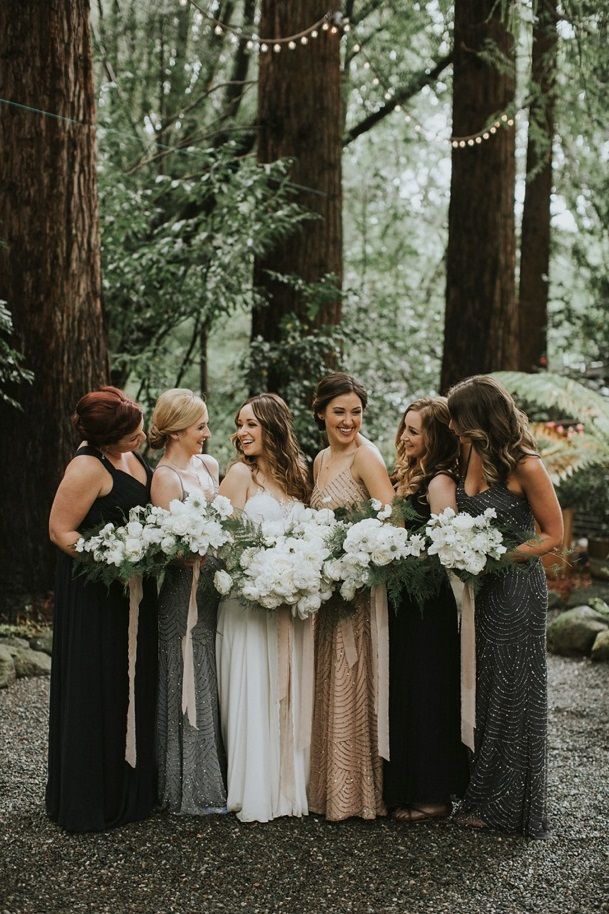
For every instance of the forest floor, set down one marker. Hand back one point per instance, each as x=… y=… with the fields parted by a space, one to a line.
x=218 y=866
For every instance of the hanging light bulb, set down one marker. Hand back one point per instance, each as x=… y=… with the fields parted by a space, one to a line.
x=292 y=45
x=304 y=40
x=277 y=48
x=218 y=30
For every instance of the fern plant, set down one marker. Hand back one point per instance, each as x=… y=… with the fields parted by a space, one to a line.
x=554 y=394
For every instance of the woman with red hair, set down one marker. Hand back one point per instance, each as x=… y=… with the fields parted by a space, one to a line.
x=101 y=771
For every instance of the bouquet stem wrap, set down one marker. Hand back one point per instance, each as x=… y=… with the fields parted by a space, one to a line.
x=189 y=703
x=135 y=598
x=380 y=665
x=466 y=605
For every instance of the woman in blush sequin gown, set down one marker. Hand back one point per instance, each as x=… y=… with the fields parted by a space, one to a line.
x=190 y=753
x=507 y=789
x=350 y=651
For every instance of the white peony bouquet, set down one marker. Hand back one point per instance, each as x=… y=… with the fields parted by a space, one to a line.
x=466 y=543
x=370 y=551
x=281 y=563
x=152 y=537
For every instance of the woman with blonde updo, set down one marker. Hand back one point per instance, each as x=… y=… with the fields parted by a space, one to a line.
x=190 y=751
x=428 y=761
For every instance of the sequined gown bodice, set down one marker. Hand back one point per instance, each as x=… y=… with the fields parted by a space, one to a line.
x=346 y=770
x=508 y=779
x=191 y=760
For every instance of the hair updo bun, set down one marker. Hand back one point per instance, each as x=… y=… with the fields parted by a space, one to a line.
x=106 y=415
x=175 y=410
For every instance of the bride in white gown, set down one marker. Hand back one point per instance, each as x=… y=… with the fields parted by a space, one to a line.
x=263 y=657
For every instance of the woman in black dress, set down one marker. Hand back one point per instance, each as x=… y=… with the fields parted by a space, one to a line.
x=428 y=761
x=507 y=789
x=91 y=786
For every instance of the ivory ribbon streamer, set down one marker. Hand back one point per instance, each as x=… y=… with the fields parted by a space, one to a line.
x=346 y=630
x=380 y=665
x=189 y=703
x=135 y=598
x=466 y=605
x=286 y=730
x=307 y=684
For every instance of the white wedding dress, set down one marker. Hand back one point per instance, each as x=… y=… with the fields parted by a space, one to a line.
x=264 y=662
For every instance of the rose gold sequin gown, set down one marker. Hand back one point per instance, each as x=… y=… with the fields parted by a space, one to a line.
x=346 y=770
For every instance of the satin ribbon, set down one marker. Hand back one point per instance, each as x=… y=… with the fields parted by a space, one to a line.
x=136 y=592
x=307 y=684
x=379 y=619
x=286 y=730
x=379 y=634
x=189 y=703
x=466 y=606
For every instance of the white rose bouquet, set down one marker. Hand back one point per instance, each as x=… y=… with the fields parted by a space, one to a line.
x=281 y=563
x=468 y=545
x=152 y=537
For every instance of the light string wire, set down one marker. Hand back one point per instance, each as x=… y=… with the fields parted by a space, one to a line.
x=507 y=118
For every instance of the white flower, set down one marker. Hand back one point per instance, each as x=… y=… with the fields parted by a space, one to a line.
x=223 y=582
x=222 y=506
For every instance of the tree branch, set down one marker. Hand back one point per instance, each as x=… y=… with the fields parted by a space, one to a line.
x=401 y=95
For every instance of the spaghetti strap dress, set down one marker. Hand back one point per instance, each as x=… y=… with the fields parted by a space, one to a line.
x=428 y=762
x=191 y=759
x=91 y=787
x=346 y=769
x=508 y=782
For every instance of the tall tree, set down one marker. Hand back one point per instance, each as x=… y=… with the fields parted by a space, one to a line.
x=535 y=243
x=49 y=265
x=481 y=324
x=299 y=116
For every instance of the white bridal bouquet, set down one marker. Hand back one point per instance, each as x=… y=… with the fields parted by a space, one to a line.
x=281 y=563
x=372 y=551
x=152 y=537
x=466 y=543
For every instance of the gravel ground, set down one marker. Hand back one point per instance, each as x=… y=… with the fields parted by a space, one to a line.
x=173 y=864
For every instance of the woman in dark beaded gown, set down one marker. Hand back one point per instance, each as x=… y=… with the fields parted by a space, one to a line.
x=507 y=789
x=91 y=785
x=428 y=762
x=191 y=758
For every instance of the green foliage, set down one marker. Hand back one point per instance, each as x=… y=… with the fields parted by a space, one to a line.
x=301 y=354
x=12 y=371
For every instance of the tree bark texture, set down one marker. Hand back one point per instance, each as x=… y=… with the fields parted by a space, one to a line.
x=535 y=239
x=299 y=116
x=49 y=267
x=481 y=323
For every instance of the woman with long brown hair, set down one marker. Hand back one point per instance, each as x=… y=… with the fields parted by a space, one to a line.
x=350 y=722
x=502 y=471
x=258 y=650
x=428 y=763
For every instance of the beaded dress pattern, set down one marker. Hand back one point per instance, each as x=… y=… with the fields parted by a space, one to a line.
x=346 y=770
x=191 y=761
x=509 y=770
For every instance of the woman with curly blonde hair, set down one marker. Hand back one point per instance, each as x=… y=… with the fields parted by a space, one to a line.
x=428 y=762
x=260 y=654
x=502 y=471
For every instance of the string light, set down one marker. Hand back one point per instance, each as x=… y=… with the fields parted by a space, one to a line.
x=457 y=142
x=332 y=22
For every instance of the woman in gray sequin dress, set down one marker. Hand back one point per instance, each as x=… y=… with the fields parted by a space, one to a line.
x=507 y=790
x=190 y=753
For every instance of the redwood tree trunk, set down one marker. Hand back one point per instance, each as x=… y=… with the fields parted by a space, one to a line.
x=535 y=242
x=49 y=267
x=299 y=116
x=481 y=325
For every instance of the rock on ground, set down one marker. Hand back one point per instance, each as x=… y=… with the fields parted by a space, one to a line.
x=574 y=631
x=216 y=865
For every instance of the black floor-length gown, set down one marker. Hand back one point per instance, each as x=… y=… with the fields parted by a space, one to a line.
x=90 y=785
x=428 y=762
x=509 y=769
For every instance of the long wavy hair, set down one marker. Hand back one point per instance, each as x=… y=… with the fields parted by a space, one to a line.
x=285 y=459
x=441 y=454
x=483 y=411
